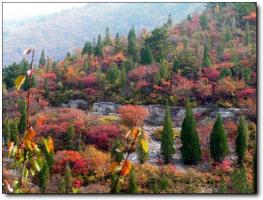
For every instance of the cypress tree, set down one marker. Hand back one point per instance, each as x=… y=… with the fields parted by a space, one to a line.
x=42 y=60
x=87 y=49
x=169 y=21
x=98 y=51
x=191 y=150
x=13 y=131
x=69 y=138
x=239 y=180
x=167 y=139
x=146 y=55
x=117 y=46
x=44 y=175
x=22 y=122
x=116 y=151
x=132 y=188
x=218 y=140
x=207 y=60
x=113 y=74
x=107 y=40
x=68 y=179
x=241 y=140
x=132 y=46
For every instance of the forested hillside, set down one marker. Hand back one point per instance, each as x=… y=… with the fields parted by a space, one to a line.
x=167 y=110
x=60 y=32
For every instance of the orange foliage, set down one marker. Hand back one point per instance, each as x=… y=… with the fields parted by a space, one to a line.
x=133 y=115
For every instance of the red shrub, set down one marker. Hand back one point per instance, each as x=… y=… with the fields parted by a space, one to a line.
x=133 y=115
x=102 y=135
x=76 y=161
x=142 y=72
x=211 y=73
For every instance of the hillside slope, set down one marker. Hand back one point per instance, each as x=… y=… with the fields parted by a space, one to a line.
x=57 y=33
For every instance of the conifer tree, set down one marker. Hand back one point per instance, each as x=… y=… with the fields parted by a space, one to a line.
x=113 y=74
x=22 y=121
x=169 y=21
x=239 y=180
x=241 y=140
x=218 y=140
x=68 y=179
x=116 y=151
x=87 y=49
x=98 y=51
x=117 y=46
x=69 y=138
x=167 y=139
x=107 y=40
x=132 y=188
x=132 y=46
x=26 y=84
x=207 y=60
x=146 y=55
x=13 y=131
x=203 y=22
x=44 y=175
x=42 y=60
x=191 y=150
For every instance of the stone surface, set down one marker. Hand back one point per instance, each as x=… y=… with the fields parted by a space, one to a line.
x=105 y=107
x=77 y=103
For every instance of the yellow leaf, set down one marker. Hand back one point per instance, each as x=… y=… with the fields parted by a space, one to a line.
x=10 y=146
x=126 y=168
x=30 y=145
x=19 y=81
x=49 y=144
x=145 y=145
x=30 y=134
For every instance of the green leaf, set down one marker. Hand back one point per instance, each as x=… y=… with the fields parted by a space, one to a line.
x=19 y=81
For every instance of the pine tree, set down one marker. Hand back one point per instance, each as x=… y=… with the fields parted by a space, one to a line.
x=241 y=140
x=146 y=55
x=43 y=176
x=87 y=49
x=169 y=21
x=42 y=60
x=69 y=138
x=207 y=60
x=239 y=180
x=191 y=150
x=132 y=46
x=107 y=40
x=22 y=110
x=26 y=84
x=117 y=46
x=167 y=139
x=13 y=131
x=203 y=22
x=116 y=151
x=98 y=51
x=113 y=74
x=132 y=188
x=68 y=179
x=142 y=154
x=218 y=140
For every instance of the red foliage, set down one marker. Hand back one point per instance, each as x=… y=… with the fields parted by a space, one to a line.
x=102 y=135
x=133 y=115
x=143 y=72
x=141 y=84
x=225 y=166
x=251 y=17
x=76 y=161
x=231 y=128
x=181 y=86
x=211 y=73
x=203 y=89
x=89 y=80
x=247 y=92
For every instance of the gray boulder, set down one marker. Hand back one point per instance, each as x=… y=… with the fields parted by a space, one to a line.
x=104 y=108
